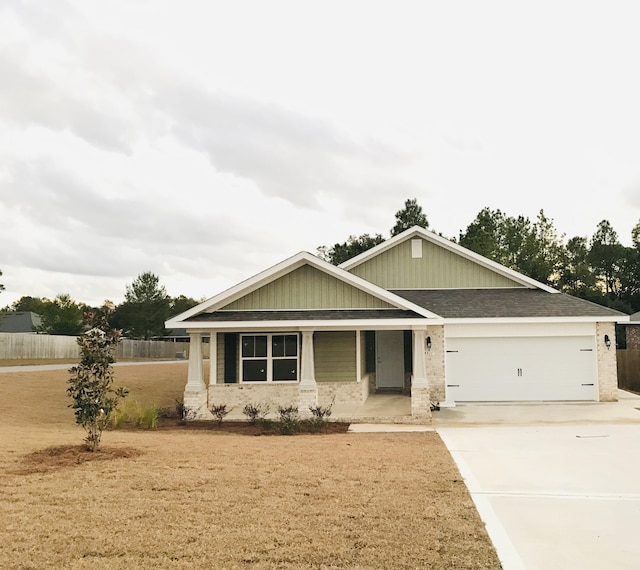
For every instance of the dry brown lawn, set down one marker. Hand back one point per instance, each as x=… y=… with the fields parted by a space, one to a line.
x=69 y=361
x=178 y=499
x=36 y=361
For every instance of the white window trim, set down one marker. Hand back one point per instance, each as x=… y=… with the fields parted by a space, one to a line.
x=270 y=358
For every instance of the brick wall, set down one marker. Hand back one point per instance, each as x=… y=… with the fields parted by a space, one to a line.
x=346 y=393
x=435 y=363
x=274 y=395
x=238 y=395
x=196 y=405
x=421 y=403
x=607 y=366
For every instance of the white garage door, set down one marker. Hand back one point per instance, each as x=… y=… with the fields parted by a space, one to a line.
x=521 y=369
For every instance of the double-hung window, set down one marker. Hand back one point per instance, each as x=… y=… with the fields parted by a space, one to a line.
x=270 y=358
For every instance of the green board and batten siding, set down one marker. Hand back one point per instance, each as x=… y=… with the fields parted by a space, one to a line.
x=306 y=288
x=438 y=268
x=335 y=356
x=220 y=358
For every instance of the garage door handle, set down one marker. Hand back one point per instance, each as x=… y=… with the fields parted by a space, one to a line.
x=453 y=385
x=586 y=384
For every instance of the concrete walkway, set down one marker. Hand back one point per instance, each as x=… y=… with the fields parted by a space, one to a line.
x=558 y=485
x=377 y=408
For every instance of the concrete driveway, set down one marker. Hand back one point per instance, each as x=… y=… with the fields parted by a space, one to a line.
x=555 y=491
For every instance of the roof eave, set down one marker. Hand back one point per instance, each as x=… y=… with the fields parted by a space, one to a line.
x=350 y=324
x=508 y=320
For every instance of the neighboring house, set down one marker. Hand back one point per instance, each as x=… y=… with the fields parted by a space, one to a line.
x=417 y=313
x=632 y=330
x=176 y=335
x=19 y=322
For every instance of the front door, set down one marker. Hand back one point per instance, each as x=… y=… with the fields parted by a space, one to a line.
x=389 y=359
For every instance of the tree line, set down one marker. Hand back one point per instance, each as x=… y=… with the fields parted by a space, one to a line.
x=599 y=269
x=141 y=315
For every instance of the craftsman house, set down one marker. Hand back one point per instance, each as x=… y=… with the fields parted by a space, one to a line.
x=417 y=314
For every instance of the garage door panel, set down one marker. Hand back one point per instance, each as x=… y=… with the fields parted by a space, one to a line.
x=521 y=369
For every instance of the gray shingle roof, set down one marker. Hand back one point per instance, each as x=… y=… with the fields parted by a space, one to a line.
x=310 y=315
x=517 y=302
x=448 y=303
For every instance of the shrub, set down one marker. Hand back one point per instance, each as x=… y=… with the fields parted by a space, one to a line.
x=320 y=412
x=149 y=416
x=119 y=417
x=138 y=415
x=266 y=424
x=255 y=412
x=135 y=412
x=319 y=416
x=288 y=421
x=220 y=411
x=183 y=412
x=165 y=413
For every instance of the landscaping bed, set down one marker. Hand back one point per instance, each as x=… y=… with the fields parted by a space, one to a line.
x=268 y=427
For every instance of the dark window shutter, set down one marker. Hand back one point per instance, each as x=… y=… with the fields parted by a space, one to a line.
x=370 y=351
x=408 y=351
x=230 y=358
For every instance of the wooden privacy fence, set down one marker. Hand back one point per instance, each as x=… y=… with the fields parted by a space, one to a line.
x=41 y=346
x=27 y=345
x=629 y=369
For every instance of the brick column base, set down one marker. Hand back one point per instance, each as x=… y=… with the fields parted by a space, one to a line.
x=421 y=403
x=195 y=405
x=307 y=397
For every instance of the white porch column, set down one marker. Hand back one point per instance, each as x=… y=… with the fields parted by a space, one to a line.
x=358 y=356
x=419 y=360
x=308 y=387
x=195 y=382
x=420 y=396
x=195 y=392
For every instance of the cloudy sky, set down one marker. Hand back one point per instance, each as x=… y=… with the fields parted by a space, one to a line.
x=206 y=140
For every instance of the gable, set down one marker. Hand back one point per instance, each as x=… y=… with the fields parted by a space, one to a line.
x=306 y=288
x=399 y=267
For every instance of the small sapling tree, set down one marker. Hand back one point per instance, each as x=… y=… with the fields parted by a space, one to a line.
x=91 y=382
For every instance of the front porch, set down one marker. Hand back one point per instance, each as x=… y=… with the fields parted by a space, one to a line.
x=332 y=367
